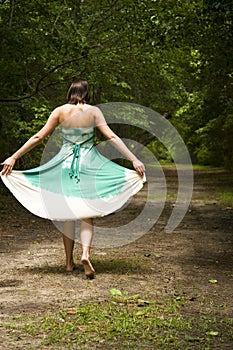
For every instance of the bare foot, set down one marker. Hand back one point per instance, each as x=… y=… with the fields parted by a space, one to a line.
x=70 y=267
x=88 y=268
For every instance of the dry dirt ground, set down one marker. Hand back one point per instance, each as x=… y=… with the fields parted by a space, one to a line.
x=33 y=276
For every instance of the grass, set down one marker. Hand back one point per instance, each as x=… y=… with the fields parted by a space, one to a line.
x=219 y=185
x=225 y=197
x=122 y=322
x=207 y=167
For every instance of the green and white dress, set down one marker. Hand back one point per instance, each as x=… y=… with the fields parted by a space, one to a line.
x=77 y=183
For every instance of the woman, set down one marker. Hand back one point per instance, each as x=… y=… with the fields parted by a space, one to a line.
x=78 y=183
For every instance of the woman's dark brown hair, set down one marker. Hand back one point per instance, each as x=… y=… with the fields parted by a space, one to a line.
x=78 y=92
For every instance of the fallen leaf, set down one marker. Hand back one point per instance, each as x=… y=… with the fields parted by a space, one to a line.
x=212 y=333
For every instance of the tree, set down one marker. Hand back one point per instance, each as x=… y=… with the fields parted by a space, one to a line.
x=173 y=56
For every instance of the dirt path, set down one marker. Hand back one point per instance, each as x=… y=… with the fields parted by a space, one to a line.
x=156 y=265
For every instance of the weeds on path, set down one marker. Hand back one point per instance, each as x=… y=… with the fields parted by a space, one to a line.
x=122 y=322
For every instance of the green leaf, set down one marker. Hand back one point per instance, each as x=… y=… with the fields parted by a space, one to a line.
x=212 y=333
x=142 y=302
x=213 y=281
x=191 y=339
x=115 y=291
x=141 y=313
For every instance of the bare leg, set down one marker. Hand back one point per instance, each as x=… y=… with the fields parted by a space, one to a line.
x=68 y=240
x=86 y=238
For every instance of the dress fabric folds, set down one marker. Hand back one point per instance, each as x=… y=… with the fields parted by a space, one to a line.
x=77 y=183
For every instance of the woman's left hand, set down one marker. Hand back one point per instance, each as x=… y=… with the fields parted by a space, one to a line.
x=8 y=165
x=139 y=167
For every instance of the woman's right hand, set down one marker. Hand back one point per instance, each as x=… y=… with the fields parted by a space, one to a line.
x=8 y=165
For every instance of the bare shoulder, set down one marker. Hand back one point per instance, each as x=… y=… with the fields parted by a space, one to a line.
x=63 y=108
x=62 y=112
x=58 y=110
x=95 y=111
x=92 y=109
x=98 y=116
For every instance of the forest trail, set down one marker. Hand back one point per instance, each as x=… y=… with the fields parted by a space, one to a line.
x=157 y=265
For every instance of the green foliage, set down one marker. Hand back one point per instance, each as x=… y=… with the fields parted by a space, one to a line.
x=173 y=56
x=125 y=322
x=226 y=198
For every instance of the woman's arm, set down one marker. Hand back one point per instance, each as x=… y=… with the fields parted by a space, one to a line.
x=50 y=125
x=117 y=142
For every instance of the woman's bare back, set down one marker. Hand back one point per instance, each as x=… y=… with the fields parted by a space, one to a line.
x=77 y=116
